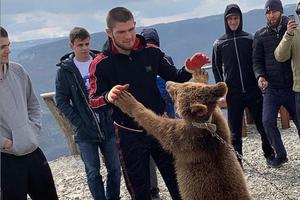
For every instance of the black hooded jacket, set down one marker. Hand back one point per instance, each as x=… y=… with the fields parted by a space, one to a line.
x=232 y=56
x=72 y=100
x=139 y=69
x=278 y=74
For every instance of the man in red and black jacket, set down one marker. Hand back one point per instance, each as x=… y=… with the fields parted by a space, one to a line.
x=126 y=64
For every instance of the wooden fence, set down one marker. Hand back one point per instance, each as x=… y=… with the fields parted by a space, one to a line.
x=63 y=122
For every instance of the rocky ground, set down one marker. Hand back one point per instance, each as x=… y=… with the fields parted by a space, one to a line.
x=264 y=182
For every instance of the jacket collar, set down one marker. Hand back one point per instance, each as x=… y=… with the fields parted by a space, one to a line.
x=66 y=61
x=283 y=22
x=208 y=125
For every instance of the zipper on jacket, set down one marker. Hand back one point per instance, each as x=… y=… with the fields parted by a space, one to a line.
x=100 y=135
x=276 y=31
x=239 y=63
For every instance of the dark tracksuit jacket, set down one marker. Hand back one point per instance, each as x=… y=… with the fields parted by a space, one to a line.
x=232 y=63
x=72 y=100
x=140 y=70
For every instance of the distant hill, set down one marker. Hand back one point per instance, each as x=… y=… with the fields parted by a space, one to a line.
x=178 y=39
x=18 y=47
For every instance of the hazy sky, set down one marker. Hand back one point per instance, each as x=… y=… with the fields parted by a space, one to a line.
x=35 y=19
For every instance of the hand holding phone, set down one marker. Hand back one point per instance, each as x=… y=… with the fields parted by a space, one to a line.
x=292 y=25
x=292 y=18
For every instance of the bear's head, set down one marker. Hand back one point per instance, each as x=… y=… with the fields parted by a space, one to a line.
x=195 y=102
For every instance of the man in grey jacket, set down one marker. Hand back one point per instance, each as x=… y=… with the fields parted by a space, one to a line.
x=24 y=168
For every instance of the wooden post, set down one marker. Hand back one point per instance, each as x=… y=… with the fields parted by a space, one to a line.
x=249 y=117
x=284 y=117
x=244 y=127
x=63 y=122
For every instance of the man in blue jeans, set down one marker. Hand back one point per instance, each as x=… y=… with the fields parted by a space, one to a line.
x=92 y=131
x=275 y=78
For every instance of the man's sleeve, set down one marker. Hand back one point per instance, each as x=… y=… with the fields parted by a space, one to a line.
x=284 y=49
x=99 y=84
x=168 y=71
x=217 y=66
x=63 y=99
x=2 y=139
x=33 y=105
x=258 y=58
x=169 y=58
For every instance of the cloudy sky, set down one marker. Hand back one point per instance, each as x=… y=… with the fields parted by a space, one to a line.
x=36 y=19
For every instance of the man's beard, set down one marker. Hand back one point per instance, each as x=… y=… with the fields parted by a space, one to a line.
x=277 y=23
x=119 y=45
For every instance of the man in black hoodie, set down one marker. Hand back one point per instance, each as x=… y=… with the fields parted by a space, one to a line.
x=275 y=78
x=233 y=51
x=127 y=64
x=92 y=131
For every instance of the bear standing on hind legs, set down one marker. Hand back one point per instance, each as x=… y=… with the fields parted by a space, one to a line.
x=206 y=168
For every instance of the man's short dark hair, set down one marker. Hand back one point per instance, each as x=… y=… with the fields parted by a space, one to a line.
x=118 y=14
x=78 y=33
x=3 y=32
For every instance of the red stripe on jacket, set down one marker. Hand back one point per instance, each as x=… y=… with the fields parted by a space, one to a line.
x=95 y=101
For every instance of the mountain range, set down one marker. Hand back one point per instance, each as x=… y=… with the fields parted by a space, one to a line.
x=178 y=39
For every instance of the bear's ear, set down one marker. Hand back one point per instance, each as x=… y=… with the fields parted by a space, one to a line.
x=172 y=88
x=219 y=89
x=198 y=109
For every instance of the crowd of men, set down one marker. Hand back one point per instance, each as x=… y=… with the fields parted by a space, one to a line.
x=262 y=73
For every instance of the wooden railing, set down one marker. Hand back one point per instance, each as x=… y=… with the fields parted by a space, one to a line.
x=283 y=113
x=68 y=132
x=248 y=119
x=284 y=118
x=63 y=122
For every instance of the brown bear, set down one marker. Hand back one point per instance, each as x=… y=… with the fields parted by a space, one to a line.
x=206 y=168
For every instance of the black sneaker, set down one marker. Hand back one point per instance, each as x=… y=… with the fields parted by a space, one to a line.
x=277 y=162
x=269 y=159
x=155 y=194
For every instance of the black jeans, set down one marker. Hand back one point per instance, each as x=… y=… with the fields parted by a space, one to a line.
x=28 y=174
x=135 y=150
x=236 y=104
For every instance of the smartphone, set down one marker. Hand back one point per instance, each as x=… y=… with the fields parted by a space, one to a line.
x=292 y=18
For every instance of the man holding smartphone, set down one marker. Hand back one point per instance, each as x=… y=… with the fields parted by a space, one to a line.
x=289 y=47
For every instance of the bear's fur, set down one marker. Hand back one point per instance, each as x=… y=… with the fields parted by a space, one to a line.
x=206 y=168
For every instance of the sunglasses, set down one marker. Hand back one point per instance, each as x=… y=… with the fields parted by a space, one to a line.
x=298 y=11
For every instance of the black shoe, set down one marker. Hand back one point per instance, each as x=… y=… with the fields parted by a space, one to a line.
x=155 y=194
x=277 y=162
x=269 y=159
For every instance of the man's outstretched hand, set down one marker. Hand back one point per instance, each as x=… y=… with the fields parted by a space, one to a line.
x=115 y=92
x=196 y=61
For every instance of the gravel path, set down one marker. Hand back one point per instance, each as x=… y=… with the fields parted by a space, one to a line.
x=264 y=183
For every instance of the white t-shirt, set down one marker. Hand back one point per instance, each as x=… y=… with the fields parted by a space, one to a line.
x=84 y=70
